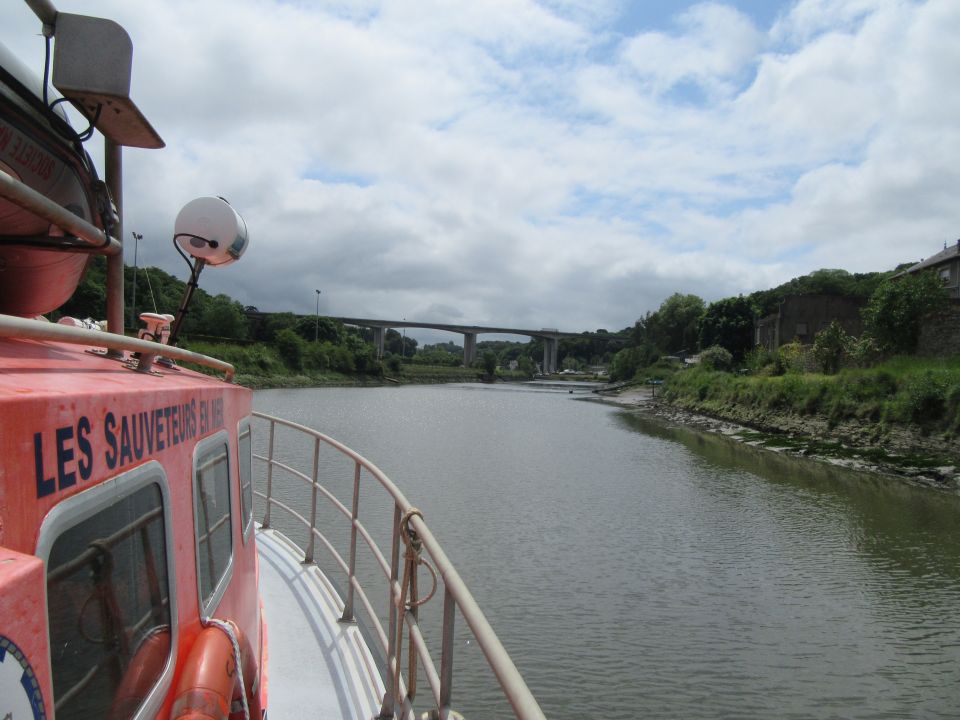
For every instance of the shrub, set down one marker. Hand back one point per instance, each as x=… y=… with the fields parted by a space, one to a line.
x=716 y=357
x=789 y=358
x=290 y=348
x=758 y=358
x=830 y=346
x=897 y=308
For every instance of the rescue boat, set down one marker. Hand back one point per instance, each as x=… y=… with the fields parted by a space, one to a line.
x=145 y=571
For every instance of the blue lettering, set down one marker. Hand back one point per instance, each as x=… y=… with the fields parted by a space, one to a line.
x=166 y=417
x=137 y=422
x=110 y=422
x=85 y=464
x=146 y=418
x=64 y=455
x=126 y=454
x=175 y=421
x=158 y=420
x=45 y=486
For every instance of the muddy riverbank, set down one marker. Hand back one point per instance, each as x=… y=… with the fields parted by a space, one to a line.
x=902 y=452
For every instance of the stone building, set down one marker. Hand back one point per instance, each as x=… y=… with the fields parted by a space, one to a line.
x=801 y=317
x=946 y=264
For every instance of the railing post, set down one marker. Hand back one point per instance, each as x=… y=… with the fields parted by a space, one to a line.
x=348 y=605
x=308 y=556
x=266 y=513
x=446 y=653
x=392 y=688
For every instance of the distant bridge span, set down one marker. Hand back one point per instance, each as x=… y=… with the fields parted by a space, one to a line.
x=550 y=336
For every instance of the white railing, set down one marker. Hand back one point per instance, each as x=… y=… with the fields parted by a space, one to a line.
x=400 y=574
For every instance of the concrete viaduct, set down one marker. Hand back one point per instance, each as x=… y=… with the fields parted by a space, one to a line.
x=551 y=337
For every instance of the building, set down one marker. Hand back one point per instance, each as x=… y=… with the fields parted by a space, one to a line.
x=946 y=264
x=801 y=317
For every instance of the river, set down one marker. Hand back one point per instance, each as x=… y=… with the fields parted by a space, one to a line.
x=637 y=570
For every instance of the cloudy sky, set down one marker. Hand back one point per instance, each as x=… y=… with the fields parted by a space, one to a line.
x=540 y=163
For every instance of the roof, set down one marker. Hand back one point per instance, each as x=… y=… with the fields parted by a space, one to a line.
x=945 y=255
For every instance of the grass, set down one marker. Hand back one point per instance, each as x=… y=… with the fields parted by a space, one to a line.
x=918 y=392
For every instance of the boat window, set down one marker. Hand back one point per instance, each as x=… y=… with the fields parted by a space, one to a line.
x=213 y=521
x=244 y=450
x=109 y=604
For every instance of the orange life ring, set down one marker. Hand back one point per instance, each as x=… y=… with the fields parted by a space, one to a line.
x=208 y=684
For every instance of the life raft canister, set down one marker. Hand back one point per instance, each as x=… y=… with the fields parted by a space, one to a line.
x=209 y=684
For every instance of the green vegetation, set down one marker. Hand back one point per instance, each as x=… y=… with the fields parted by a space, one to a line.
x=869 y=388
x=899 y=391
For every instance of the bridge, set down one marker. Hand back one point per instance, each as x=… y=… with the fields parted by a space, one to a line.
x=550 y=336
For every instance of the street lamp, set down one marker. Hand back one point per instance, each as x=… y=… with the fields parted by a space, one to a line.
x=137 y=237
x=316 y=330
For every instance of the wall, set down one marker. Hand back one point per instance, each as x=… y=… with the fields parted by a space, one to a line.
x=940 y=335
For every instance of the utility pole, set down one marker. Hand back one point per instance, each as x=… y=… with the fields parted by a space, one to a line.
x=137 y=237
x=316 y=329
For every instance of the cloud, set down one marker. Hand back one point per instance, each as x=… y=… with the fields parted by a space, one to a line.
x=714 y=46
x=511 y=162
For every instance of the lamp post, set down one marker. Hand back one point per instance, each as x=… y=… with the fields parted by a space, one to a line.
x=403 y=343
x=137 y=237
x=316 y=329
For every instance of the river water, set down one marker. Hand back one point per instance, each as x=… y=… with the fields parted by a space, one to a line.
x=637 y=570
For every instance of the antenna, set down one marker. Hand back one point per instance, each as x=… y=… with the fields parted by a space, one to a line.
x=213 y=233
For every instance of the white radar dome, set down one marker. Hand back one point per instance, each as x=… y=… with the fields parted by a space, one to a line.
x=208 y=228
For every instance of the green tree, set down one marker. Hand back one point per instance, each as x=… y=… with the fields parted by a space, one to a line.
x=223 y=317
x=489 y=363
x=729 y=324
x=675 y=325
x=897 y=308
x=290 y=348
x=526 y=366
x=829 y=347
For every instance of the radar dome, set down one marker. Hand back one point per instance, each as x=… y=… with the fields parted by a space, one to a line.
x=209 y=229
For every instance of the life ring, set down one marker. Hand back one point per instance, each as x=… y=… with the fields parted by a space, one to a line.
x=141 y=674
x=208 y=686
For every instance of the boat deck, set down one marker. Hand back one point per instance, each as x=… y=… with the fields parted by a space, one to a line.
x=318 y=666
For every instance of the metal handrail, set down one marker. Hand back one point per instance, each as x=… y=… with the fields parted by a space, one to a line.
x=17 y=327
x=92 y=238
x=455 y=594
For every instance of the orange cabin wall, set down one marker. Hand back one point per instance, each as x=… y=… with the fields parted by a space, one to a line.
x=58 y=438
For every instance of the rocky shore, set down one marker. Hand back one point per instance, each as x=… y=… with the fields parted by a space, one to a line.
x=901 y=452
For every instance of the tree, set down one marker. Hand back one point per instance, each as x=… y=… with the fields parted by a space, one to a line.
x=290 y=348
x=829 y=347
x=729 y=324
x=526 y=366
x=675 y=324
x=489 y=363
x=223 y=317
x=897 y=308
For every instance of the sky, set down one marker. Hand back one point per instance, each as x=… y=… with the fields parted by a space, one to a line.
x=554 y=163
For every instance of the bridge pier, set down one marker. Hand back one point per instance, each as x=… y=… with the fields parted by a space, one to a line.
x=551 y=346
x=469 y=349
x=379 y=336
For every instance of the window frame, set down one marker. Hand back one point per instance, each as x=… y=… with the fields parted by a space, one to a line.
x=86 y=504
x=246 y=513
x=208 y=608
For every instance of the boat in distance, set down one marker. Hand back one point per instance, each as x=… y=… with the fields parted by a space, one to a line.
x=146 y=565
